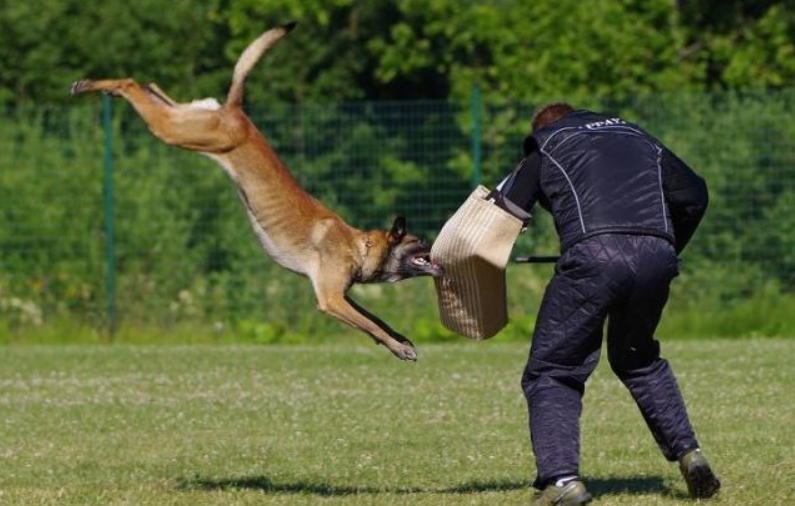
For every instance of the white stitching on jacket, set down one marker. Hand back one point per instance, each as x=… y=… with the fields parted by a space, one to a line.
x=573 y=191
x=553 y=135
x=662 y=193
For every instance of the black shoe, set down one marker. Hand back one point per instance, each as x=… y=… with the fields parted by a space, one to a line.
x=701 y=481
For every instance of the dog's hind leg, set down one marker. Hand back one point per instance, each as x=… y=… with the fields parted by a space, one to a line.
x=155 y=111
x=176 y=124
x=157 y=92
x=127 y=88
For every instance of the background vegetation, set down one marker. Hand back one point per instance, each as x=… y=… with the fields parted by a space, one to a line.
x=369 y=103
x=401 y=49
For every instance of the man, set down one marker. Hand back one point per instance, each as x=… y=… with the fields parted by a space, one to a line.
x=624 y=206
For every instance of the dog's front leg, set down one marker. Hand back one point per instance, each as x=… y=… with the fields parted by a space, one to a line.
x=331 y=299
x=341 y=309
x=381 y=324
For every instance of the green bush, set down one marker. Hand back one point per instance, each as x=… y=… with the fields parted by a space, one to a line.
x=190 y=270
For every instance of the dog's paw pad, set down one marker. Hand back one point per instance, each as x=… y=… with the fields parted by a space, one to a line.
x=407 y=353
x=79 y=86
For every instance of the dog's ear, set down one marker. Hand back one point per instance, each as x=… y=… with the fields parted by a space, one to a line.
x=398 y=231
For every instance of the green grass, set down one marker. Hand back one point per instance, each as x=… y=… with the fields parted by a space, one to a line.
x=332 y=425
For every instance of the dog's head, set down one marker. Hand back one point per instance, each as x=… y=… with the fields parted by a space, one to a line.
x=407 y=256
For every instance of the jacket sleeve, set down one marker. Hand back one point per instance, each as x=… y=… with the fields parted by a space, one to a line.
x=686 y=195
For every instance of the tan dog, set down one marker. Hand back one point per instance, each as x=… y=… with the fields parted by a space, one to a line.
x=295 y=229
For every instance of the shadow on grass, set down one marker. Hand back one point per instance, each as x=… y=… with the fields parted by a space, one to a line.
x=265 y=484
x=630 y=485
x=471 y=487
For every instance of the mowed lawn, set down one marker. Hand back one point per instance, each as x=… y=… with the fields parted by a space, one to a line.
x=351 y=425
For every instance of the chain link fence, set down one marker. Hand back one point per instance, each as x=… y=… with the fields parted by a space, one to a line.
x=104 y=226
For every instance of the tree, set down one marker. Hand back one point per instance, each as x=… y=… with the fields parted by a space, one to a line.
x=47 y=44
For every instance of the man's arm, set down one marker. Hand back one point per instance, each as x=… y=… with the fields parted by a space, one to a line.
x=686 y=195
x=526 y=188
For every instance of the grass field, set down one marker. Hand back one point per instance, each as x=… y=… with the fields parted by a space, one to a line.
x=351 y=425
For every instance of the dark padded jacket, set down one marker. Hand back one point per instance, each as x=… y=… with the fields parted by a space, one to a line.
x=598 y=174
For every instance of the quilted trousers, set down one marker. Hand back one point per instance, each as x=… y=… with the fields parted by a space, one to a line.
x=623 y=279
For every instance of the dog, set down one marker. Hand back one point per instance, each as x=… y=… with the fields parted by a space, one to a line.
x=295 y=229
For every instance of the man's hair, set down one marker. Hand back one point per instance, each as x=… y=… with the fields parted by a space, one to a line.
x=550 y=113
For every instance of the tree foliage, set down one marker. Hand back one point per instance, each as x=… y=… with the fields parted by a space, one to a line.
x=397 y=49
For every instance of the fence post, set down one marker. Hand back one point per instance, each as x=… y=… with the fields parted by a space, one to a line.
x=476 y=154
x=110 y=254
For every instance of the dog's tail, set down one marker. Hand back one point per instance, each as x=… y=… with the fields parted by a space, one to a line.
x=250 y=57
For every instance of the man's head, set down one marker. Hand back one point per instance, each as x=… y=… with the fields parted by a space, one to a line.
x=550 y=113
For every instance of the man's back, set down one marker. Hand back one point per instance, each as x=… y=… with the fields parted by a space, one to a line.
x=599 y=174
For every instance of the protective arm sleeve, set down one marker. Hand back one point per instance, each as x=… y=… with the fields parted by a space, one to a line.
x=526 y=188
x=686 y=195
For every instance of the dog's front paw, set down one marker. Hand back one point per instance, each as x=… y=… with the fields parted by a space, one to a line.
x=405 y=351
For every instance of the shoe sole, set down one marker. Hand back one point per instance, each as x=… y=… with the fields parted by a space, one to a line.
x=701 y=482
x=580 y=500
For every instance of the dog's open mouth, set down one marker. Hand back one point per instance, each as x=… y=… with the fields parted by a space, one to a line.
x=424 y=263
